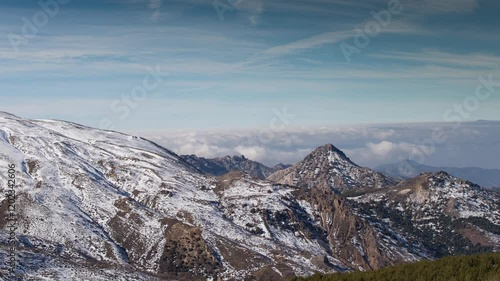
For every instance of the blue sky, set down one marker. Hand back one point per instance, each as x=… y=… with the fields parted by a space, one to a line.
x=235 y=73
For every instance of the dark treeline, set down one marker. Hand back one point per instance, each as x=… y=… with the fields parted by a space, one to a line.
x=485 y=267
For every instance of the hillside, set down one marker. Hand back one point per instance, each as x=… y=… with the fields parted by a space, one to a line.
x=437 y=212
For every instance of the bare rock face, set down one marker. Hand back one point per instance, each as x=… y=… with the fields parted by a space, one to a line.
x=186 y=255
x=351 y=238
x=328 y=167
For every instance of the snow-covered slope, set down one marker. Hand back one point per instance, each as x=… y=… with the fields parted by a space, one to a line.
x=79 y=189
x=444 y=214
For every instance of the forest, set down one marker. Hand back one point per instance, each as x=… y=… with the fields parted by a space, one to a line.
x=484 y=267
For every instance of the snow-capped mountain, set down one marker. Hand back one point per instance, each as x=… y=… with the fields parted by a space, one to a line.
x=224 y=165
x=101 y=205
x=108 y=203
x=329 y=167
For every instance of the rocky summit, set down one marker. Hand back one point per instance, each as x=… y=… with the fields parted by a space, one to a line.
x=328 y=167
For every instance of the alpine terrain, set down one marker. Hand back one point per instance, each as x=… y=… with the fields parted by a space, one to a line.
x=101 y=205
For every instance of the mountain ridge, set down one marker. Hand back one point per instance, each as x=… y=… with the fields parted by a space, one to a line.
x=407 y=169
x=223 y=165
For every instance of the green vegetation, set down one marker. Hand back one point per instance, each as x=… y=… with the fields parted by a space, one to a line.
x=485 y=267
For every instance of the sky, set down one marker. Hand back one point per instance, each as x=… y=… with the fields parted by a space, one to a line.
x=228 y=65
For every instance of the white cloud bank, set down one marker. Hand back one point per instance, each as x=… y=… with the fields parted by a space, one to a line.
x=470 y=144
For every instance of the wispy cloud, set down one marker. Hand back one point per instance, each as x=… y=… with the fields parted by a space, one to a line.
x=445 y=58
x=267 y=53
x=446 y=6
x=321 y=40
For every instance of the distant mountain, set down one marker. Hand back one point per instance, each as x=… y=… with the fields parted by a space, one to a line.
x=408 y=169
x=486 y=122
x=224 y=165
x=327 y=166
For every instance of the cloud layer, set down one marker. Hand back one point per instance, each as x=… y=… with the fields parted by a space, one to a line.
x=469 y=144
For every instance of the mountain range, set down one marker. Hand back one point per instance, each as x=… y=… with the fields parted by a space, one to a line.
x=224 y=165
x=101 y=205
x=489 y=178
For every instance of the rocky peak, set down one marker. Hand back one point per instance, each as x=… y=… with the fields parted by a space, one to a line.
x=329 y=152
x=237 y=158
x=328 y=167
x=331 y=147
